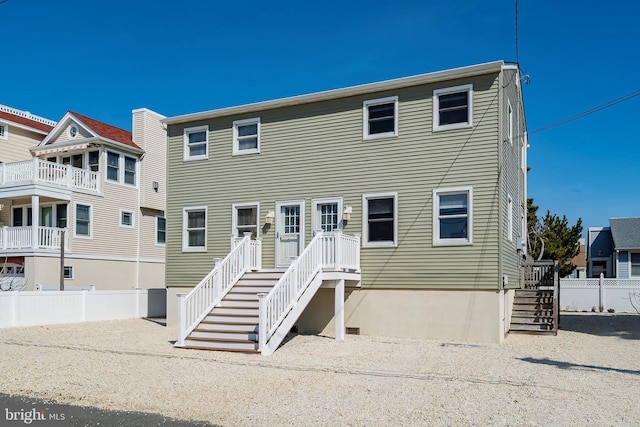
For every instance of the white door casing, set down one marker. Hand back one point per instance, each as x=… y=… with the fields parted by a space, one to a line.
x=289 y=231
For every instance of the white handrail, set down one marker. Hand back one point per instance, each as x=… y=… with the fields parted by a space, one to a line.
x=326 y=250
x=22 y=238
x=194 y=306
x=49 y=172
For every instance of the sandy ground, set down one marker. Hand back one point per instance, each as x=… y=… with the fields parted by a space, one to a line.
x=587 y=375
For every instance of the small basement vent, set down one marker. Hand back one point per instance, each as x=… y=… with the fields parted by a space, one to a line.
x=353 y=331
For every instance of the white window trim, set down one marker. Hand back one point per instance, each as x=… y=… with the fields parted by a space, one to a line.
x=73 y=126
x=315 y=218
x=236 y=143
x=437 y=241
x=234 y=215
x=133 y=219
x=510 y=114
x=75 y=224
x=165 y=231
x=186 y=132
x=5 y=135
x=365 y=220
x=121 y=170
x=509 y=218
x=436 y=107
x=71 y=270
x=185 y=235
x=631 y=275
x=365 y=118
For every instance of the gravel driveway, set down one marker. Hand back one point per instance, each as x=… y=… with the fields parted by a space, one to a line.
x=587 y=375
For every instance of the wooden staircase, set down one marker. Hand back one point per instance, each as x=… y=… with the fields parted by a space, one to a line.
x=533 y=312
x=233 y=325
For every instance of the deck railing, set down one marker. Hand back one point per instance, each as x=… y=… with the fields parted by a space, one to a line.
x=22 y=238
x=42 y=171
x=334 y=251
x=194 y=306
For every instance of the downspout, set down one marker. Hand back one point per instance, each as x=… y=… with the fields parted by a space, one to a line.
x=501 y=89
x=138 y=225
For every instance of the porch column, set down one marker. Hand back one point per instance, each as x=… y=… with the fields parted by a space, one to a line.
x=35 y=220
x=339 y=310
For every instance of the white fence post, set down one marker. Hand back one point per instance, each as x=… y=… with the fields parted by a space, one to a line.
x=601 y=292
x=182 y=320
x=339 y=310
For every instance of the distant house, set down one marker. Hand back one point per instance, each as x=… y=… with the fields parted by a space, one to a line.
x=580 y=261
x=427 y=172
x=104 y=186
x=615 y=250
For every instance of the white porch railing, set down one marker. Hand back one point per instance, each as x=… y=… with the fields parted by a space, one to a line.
x=22 y=238
x=194 y=306
x=334 y=251
x=41 y=171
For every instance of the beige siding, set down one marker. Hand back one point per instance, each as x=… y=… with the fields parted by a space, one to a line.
x=148 y=246
x=317 y=150
x=16 y=146
x=149 y=134
x=63 y=136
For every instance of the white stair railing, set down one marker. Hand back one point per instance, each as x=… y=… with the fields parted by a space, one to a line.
x=334 y=251
x=194 y=306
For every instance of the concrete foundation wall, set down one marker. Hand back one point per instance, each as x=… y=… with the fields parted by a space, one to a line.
x=106 y=275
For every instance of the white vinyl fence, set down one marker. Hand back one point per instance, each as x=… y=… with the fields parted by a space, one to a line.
x=600 y=294
x=52 y=307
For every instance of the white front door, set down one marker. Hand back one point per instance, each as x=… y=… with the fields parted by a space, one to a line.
x=289 y=231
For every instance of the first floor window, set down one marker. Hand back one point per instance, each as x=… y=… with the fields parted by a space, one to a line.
x=126 y=219
x=83 y=220
x=195 y=142
x=161 y=230
x=635 y=264
x=194 y=229
x=246 y=136
x=380 y=219
x=246 y=219
x=68 y=272
x=452 y=107
x=452 y=216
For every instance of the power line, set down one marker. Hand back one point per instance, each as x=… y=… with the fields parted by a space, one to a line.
x=517 y=59
x=586 y=113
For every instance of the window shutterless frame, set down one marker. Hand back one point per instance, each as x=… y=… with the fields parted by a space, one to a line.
x=194 y=229
x=380 y=118
x=453 y=216
x=380 y=220
x=4 y=131
x=246 y=136
x=453 y=108
x=83 y=221
x=196 y=143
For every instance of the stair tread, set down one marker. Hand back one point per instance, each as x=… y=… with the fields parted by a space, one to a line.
x=234 y=350
x=227 y=340
x=224 y=331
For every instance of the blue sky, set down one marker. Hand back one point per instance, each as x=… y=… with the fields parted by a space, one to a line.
x=103 y=59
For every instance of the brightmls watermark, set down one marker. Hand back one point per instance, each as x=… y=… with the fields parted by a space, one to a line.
x=37 y=415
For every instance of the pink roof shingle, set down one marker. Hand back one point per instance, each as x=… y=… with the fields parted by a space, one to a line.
x=107 y=131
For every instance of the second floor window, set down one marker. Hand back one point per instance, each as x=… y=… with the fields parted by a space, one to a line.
x=113 y=166
x=380 y=118
x=246 y=136
x=121 y=168
x=196 y=142
x=452 y=108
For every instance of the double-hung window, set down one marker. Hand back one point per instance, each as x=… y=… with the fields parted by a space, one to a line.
x=453 y=108
x=380 y=118
x=61 y=216
x=245 y=219
x=113 y=166
x=380 y=219
x=161 y=230
x=194 y=229
x=196 y=143
x=452 y=216
x=129 y=170
x=246 y=136
x=635 y=264
x=83 y=220
x=94 y=161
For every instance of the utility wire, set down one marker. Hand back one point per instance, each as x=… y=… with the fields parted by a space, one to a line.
x=517 y=59
x=586 y=113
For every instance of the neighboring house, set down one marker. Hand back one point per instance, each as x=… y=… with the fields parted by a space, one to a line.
x=580 y=261
x=429 y=169
x=19 y=131
x=104 y=186
x=615 y=250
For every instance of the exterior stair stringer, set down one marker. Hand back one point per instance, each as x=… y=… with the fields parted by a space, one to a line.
x=293 y=315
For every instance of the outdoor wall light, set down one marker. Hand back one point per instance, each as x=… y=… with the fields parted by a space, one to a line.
x=346 y=214
x=270 y=217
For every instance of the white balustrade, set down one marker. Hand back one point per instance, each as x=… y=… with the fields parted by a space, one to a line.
x=37 y=170
x=22 y=238
x=194 y=306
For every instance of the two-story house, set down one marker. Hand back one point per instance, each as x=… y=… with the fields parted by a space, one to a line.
x=614 y=251
x=103 y=186
x=427 y=171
